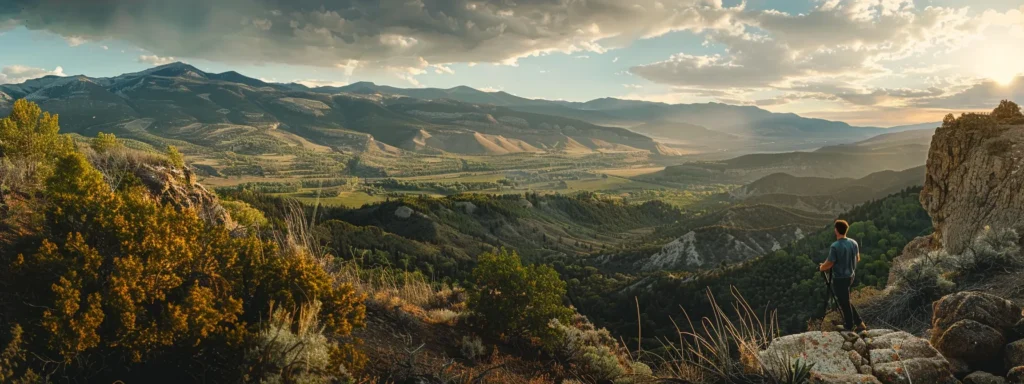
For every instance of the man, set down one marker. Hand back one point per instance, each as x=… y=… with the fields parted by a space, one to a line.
x=842 y=260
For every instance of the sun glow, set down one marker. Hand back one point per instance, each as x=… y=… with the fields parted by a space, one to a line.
x=1001 y=63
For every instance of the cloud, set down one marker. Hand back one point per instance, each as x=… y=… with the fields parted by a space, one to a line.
x=854 y=56
x=6 y=25
x=312 y=83
x=105 y=47
x=15 y=74
x=633 y=86
x=443 y=69
x=850 y=39
x=583 y=57
x=381 y=36
x=75 y=41
x=155 y=60
x=984 y=96
x=615 y=60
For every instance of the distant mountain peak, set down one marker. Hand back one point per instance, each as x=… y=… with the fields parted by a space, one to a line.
x=175 y=69
x=363 y=84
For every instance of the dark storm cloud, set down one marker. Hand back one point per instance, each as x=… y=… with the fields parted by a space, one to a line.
x=382 y=33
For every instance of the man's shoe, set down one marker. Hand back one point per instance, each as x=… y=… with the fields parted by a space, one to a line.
x=861 y=328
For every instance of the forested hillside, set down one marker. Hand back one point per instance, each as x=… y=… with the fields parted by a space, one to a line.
x=442 y=236
x=786 y=280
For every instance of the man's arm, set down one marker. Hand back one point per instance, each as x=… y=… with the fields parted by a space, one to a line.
x=858 y=250
x=827 y=265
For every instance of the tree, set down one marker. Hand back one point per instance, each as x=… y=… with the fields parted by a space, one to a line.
x=515 y=300
x=104 y=142
x=1007 y=110
x=949 y=120
x=30 y=141
x=176 y=158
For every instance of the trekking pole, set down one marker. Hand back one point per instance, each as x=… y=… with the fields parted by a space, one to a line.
x=830 y=295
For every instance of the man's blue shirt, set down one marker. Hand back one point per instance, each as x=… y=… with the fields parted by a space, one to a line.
x=843 y=255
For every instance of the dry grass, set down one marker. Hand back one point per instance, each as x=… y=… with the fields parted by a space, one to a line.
x=721 y=349
x=392 y=290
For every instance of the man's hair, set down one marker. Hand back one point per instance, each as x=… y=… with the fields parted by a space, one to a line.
x=842 y=227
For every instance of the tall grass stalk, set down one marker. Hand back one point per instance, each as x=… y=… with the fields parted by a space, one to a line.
x=722 y=348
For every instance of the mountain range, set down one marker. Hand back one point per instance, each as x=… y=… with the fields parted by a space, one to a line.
x=231 y=112
x=890 y=151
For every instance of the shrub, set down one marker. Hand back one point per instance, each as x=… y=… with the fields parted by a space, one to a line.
x=287 y=353
x=244 y=214
x=1007 y=110
x=588 y=351
x=924 y=279
x=515 y=300
x=118 y=276
x=992 y=249
x=104 y=142
x=176 y=158
x=472 y=348
x=12 y=357
x=797 y=372
x=442 y=316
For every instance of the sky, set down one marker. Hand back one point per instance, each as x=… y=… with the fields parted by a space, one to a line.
x=866 y=62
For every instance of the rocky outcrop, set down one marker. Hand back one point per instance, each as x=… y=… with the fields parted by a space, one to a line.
x=180 y=189
x=876 y=356
x=974 y=179
x=973 y=327
x=404 y=212
x=714 y=245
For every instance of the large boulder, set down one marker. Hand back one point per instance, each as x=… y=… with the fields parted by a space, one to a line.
x=974 y=342
x=899 y=357
x=1015 y=375
x=972 y=326
x=983 y=378
x=1013 y=355
x=984 y=308
x=972 y=167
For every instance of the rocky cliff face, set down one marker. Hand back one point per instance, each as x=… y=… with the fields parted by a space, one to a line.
x=711 y=246
x=975 y=178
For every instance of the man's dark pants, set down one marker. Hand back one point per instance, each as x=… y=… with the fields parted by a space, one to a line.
x=841 y=287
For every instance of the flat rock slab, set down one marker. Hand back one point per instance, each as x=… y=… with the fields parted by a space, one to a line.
x=823 y=349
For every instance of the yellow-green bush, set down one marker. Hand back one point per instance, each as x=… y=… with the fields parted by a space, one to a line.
x=29 y=146
x=115 y=276
x=244 y=214
x=104 y=142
